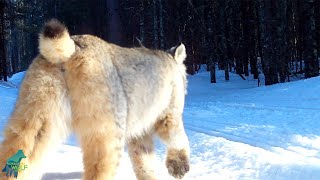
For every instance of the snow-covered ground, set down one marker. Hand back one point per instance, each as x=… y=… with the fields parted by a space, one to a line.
x=236 y=131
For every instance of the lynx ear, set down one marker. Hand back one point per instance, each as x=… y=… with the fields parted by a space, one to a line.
x=178 y=53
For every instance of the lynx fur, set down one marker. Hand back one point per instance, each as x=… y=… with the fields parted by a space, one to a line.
x=109 y=96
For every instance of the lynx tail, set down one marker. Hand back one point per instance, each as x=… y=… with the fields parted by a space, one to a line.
x=55 y=43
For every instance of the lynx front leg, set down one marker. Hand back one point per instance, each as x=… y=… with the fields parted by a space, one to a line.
x=170 y=129
x=141 y=152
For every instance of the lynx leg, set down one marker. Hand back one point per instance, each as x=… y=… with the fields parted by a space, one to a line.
x=101 y=135
x=39 y=119
x=100 y=126
x=34 y=143
x=101 y=156
x=141 y=152
x=170 y=130
x=18 y=136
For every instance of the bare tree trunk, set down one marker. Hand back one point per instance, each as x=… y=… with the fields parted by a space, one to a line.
x=155 y=25
x=223 y=39
x=161 y=25
x=141 y=21
x=300 y=38
x=246 y=35
x=310 y=53
x=282 y=40
x=259 y=44
x=252 y=38
x=3 y=55
x=212 y=67
x=317 y=17
x=268 y=36
x=210 y=16
x=115 y=30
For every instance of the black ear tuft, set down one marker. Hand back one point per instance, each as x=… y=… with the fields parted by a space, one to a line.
x=172 y=50
x=178 y=53
x=53 y=29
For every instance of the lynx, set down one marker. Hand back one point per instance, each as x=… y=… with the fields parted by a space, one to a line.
x=109 y=96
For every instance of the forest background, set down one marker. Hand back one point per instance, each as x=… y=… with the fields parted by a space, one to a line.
x=279 y=39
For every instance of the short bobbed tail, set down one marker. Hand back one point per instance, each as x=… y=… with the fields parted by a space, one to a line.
x=55 y=43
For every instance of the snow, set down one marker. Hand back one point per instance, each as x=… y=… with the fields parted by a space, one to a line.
x=236 y=131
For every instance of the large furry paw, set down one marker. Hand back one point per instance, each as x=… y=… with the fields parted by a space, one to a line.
x=177 y=163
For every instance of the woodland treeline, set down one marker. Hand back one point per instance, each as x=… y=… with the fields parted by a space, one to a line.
x=277 y=38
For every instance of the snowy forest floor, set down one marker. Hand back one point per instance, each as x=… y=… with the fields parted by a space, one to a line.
x=236 y=131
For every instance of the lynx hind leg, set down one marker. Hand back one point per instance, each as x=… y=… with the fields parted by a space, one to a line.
x=101 y=133
x=142 y=155
x=39 y=118
x=101 y=155
x=170 y=129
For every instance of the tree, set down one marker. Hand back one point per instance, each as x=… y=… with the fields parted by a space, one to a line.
x=267 y=14
x=210 y=41
x=282 y=37
x=310 y=41
x=282 y=42
x=114 y=25
x=3 y=56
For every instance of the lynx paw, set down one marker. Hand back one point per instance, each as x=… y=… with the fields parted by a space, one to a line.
x=177 y=163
